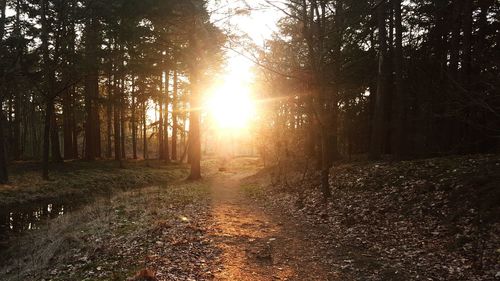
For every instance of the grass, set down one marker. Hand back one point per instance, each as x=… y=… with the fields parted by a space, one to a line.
x=113 y=234
x=80 y=180
x=116 y=232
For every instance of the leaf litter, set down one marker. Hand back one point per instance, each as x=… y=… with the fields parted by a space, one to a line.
x=432 y=219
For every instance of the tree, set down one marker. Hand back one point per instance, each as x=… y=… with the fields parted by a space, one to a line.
x=3 y=157
x=49 y=95
x=399 y=79
x=204 y=41
x=379 y=125
x=68 y=47
x=92 y=128
x=194 y=112
x=166 y=149
x=174 y=115
x=399 y=93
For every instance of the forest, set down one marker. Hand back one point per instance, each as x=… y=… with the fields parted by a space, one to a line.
x=78 y=78
x=195 y=139
x=408 y=80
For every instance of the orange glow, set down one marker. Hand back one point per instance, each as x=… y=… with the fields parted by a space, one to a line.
x=229 y=104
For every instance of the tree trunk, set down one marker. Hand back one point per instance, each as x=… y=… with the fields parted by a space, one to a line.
x=54 y=137
x=4 y=176
x=69 y=91
x=116 y=124
x=399 y=94
x=75 y=135
x=10 y=123
x=144 y=132
x=92 y=130
x=67 y=125
x=174 y=117
x=49 y=76
x=437 y=128
x=455 y=38
x=166 y=152
x=194 y=156
x=184 y=141
x=3 y=8
x=379 y=125
x=49 y=98
x=194 y=131
x=46 y=138
x=467 y=42
x=481 y=54
x=134 y=120
x=468 y=133
x=122 y=118
x=161 y=145
x=3 y=153
x=452 y=124
x=16 y=126
x=109 y=113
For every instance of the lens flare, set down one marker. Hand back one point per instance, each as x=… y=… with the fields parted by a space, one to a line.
x=230 y=106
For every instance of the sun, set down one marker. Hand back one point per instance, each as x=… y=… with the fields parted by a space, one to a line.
x=230 y=106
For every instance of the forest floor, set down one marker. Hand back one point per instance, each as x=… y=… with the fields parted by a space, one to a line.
x=429 y=219
x=433 y=219
x=182 y=230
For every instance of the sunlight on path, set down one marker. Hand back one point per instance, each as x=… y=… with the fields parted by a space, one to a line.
x=254 y=245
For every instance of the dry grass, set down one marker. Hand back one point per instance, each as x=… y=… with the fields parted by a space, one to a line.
x=109 y=234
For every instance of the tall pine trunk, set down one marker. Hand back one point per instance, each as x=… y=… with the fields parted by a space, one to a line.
x=399 y=94
x=46 y=139
x=75 y=134
x=69 y=91
x=134 y=119
x=16 y=130
x=122 y=117
x=166 y=150
x=109 y=112
x=468 y=134
x=49 y=98
x=92 y=130
x=3 y=153
x=116 y=126
x=4 y=176
x=378 y=138
x=67 y=125
x=184 y=140
x=54 y=136
x=144 y=132
x=174 y=117
x=116 y=120
x=194 y=136
x=161 y=145
x=455 y=38
x=467 y=42
x=194 y=146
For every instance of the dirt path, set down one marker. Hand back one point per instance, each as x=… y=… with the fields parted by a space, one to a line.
x=257 y=245
x=208 y=230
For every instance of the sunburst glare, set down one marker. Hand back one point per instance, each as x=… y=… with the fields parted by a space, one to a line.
x=230 y=104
